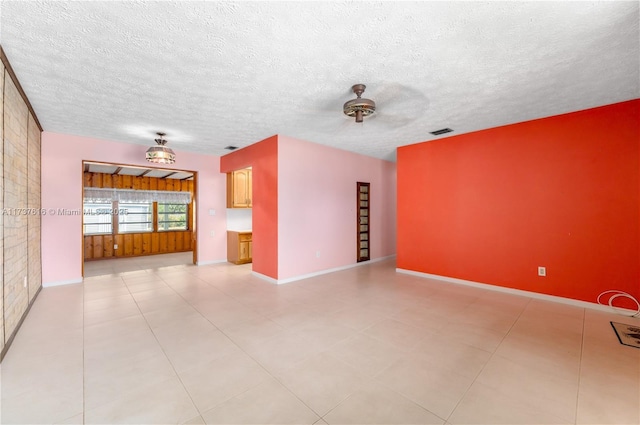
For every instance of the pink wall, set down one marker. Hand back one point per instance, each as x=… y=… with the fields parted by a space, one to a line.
x=62 y=157
x=317 y=206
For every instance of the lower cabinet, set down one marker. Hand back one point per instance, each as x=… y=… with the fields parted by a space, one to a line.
x=239 y=247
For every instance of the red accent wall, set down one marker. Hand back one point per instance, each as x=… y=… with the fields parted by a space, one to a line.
x=561 y=192
x=263 y=158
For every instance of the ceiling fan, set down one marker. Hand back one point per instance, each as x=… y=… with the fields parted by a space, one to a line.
x=359 y=107
x=395 y=104
x=387 y=106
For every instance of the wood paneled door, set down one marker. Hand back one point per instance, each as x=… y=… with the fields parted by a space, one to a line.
x=363 y=223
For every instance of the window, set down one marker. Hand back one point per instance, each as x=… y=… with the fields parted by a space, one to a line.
x=172 y=217
x=135 y=217
x=97 y=218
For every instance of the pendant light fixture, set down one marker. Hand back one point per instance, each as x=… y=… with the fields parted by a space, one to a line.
x=160 y=154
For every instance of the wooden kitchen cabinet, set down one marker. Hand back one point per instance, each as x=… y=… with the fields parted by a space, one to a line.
x=239 y=247
x=239 y=189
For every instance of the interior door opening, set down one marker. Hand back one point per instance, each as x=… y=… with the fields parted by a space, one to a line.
x=363 y=220
x=155 y=228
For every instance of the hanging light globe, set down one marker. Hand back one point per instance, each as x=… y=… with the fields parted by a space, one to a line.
x=160 y=154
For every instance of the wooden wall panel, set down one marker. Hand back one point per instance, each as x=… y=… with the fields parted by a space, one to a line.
x=107 y=246
x=16 y=297
x=137 y=244
x=88 y=247
x=146 y=243
x=164 y=247
x=136 y=182
x=155 y=243
x=128 y=245
x=96 y=180
x=98 y=250
x=34 y=224
x=119 y=240
x=171 y=241
x=2 y=71
x=126 y=182
x=179 y=241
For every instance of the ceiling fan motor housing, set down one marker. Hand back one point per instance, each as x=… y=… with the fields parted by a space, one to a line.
x=359 y=107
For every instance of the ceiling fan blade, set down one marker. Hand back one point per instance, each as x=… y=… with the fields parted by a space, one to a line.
x=399 y=97
x=390 y=92
x=320 y=101
x=392 y=120
x=345 y=124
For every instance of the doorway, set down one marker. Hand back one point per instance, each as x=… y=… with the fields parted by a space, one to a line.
x=363 y=220
x=136 y=218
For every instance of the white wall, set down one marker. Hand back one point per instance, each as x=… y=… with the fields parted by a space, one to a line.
x=239 y=219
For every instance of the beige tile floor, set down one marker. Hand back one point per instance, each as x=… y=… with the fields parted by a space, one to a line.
x=130 y=264
x=216 y=345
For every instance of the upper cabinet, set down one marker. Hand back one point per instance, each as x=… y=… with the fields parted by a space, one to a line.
x=239 y=191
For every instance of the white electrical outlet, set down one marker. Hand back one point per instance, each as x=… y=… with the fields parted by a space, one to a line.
x=542 y=271
x=212 y=233
x=317 y=254
x=115 y=246
x=25 y=281
x=212 y=212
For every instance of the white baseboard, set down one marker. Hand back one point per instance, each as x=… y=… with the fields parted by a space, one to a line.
x=521 y=292
x=320 y=272
x=265 y=277
x=61 y=282
x=206 y=263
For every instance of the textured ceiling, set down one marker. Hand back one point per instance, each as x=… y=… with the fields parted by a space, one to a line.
x=212 y=74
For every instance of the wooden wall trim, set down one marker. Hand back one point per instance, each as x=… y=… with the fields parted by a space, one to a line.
x=12 y=74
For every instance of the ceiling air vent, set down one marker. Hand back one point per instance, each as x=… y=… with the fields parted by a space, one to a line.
x=231 y=148
x=442 y=131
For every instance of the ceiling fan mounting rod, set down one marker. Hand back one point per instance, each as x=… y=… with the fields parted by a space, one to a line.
x=161 y=140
